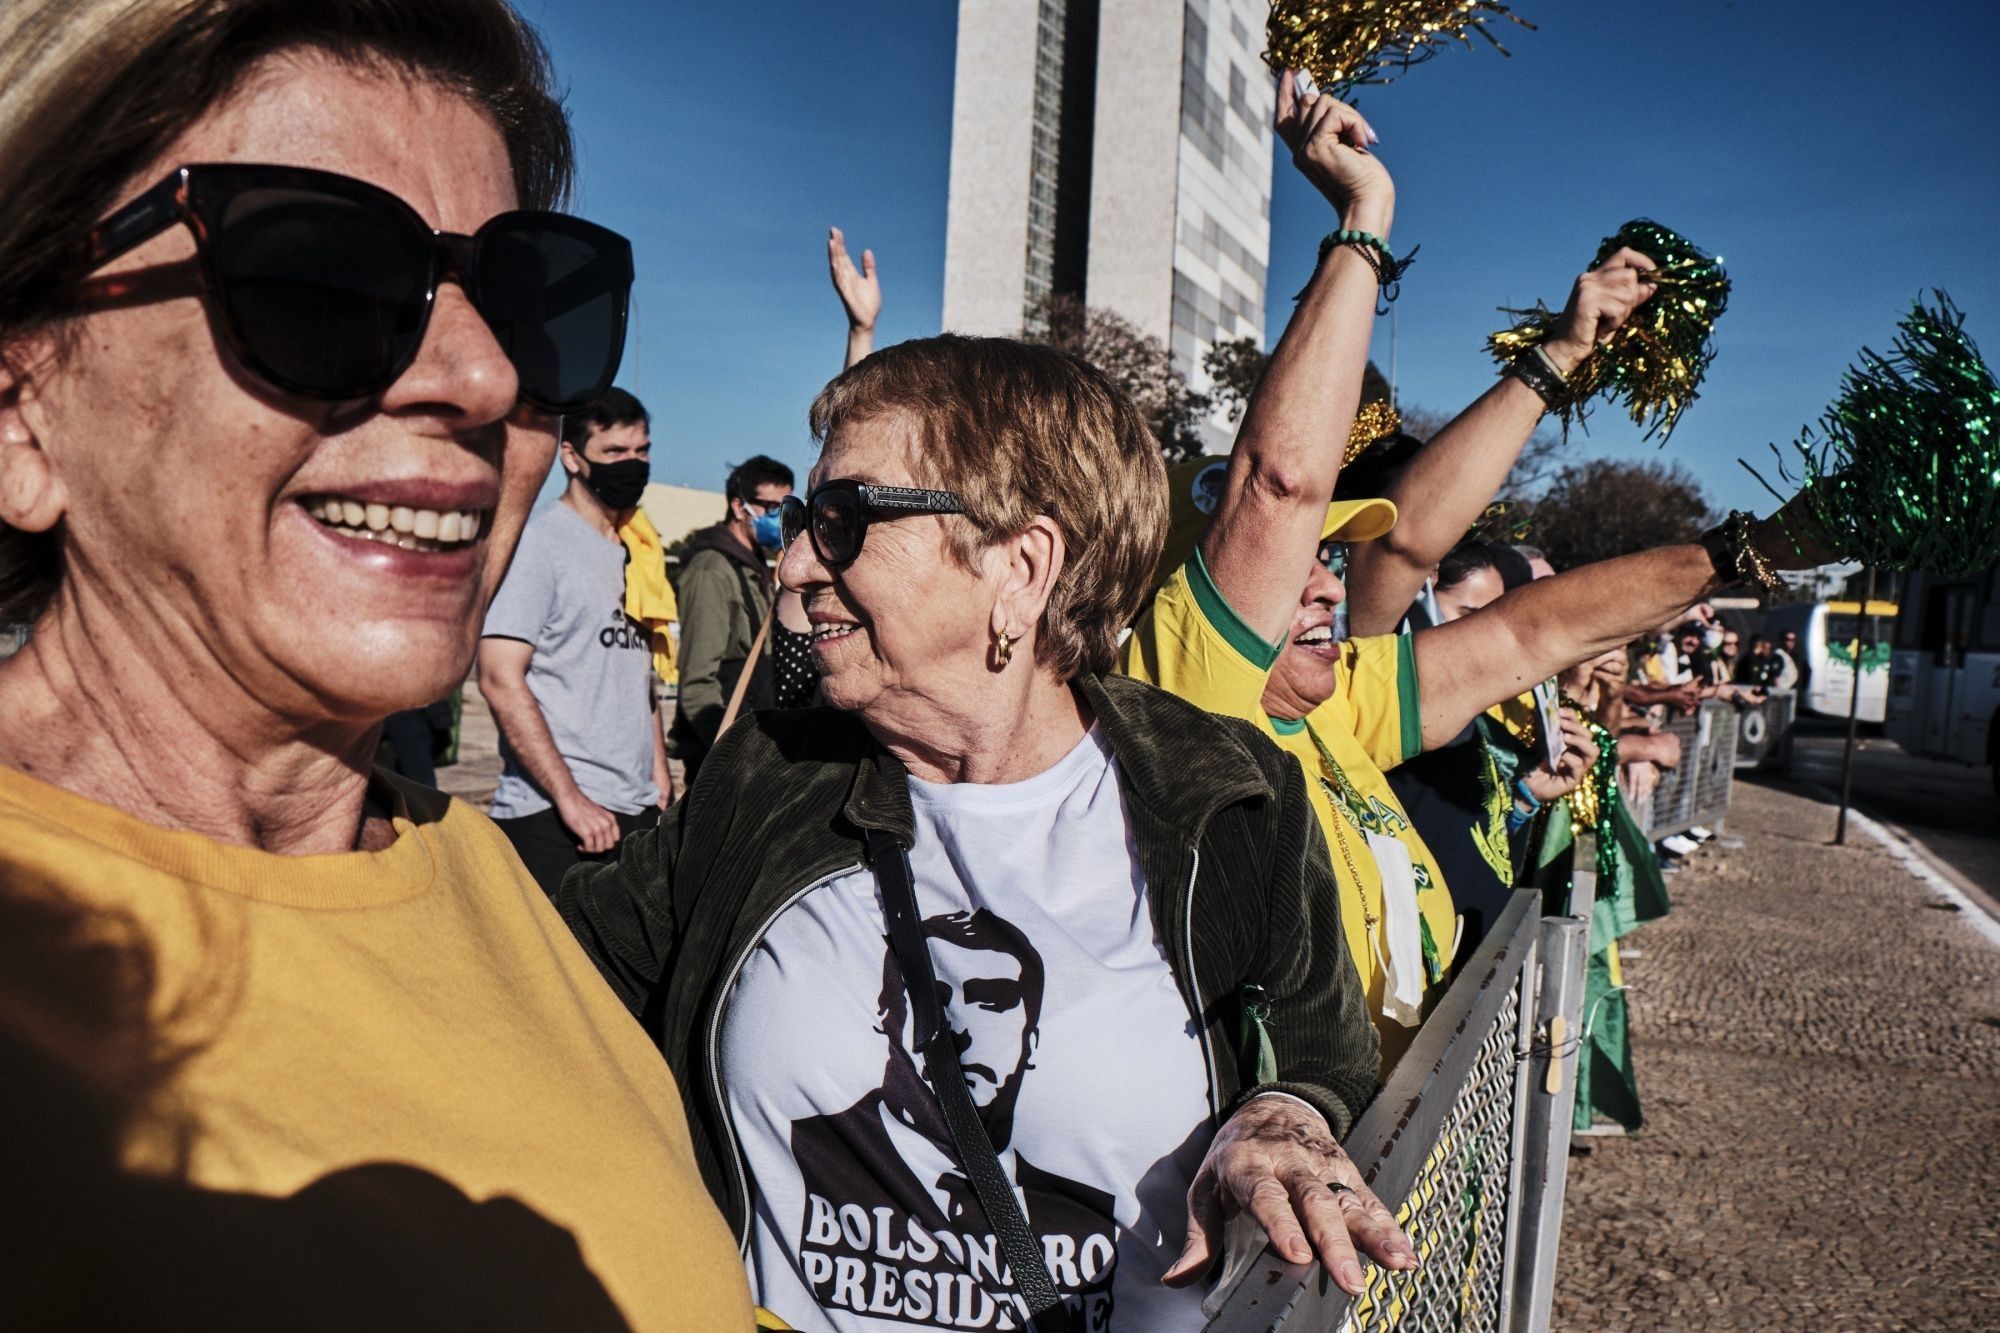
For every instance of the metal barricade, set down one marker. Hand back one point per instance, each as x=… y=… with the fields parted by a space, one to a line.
x=1467 y=1142
x=1698 y=790
x=1764 y=733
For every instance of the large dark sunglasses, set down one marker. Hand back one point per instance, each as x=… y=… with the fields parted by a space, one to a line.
x=323 y=285
x=837 y=514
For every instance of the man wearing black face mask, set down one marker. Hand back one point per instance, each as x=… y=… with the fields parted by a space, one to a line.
x=567 y=669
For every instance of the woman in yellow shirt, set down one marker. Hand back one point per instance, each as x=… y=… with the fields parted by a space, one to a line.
x=1249 y=618
x=287 y=1042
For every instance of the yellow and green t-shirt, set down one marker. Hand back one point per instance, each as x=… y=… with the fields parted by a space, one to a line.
x=1191 y=642
x=392 y=1070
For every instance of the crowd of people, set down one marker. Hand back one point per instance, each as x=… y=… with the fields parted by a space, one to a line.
x=1069 y=844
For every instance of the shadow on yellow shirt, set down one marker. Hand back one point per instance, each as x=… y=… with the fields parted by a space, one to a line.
x=372 y=1090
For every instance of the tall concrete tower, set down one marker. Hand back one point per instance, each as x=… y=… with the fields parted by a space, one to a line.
x=1115 y=150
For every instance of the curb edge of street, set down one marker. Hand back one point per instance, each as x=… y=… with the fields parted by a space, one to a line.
x=1921 y=861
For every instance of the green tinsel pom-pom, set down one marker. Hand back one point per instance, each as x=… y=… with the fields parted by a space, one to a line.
x=1905 y=471
x=1654 y=364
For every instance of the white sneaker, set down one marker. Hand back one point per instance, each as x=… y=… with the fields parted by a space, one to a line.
x=1700 y=834
x=1679 y=844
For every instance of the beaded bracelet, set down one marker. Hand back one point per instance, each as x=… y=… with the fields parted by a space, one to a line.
x=1387 y=268
x=1733 y=550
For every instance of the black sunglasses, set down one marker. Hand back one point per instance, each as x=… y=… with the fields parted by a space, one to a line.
x=324 y=284
x=837 y=514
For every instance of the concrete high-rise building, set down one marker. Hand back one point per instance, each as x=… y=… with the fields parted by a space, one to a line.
x=1114 y=150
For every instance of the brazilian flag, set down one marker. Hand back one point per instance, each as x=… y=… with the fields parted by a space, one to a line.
x=1630 y=892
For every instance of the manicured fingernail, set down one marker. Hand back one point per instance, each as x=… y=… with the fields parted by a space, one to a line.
x=1373 y=137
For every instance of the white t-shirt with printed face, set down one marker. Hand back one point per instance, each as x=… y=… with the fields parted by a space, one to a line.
x=1077 y=1046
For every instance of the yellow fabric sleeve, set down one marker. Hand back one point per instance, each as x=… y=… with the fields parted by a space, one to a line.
x=1375 y=699
x=1189 y=642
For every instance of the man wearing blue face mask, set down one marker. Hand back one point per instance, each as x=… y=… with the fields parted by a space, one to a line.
x=569 y=651
x=725 y=596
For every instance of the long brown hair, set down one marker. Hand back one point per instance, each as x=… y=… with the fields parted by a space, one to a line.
x=92 y=91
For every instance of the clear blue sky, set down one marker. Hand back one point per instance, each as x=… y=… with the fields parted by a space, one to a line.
x=1840 y=156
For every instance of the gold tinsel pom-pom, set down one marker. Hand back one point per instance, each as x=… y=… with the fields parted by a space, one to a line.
x=1342 y=43
x=1376 y=420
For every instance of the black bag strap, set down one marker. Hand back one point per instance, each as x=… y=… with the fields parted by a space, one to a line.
x=931 y=1036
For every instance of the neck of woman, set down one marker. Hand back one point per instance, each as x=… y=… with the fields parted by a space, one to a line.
x=1010 y=730
x=87 y=707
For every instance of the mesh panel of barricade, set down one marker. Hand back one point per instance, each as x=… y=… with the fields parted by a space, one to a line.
x=1456 y=1212
x=1763 y=733
x=1439 y=1147
x=1697 y=791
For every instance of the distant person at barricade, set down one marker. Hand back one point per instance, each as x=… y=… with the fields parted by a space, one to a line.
x=1762 y=666
x=566 y=669
x=1467 y=796
x=725 y=598
x=1696 y=662
x=287 y=1040
x=1793 y=670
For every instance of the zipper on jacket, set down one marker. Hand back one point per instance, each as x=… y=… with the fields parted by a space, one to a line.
x=1194 y=989
x=715 y=1046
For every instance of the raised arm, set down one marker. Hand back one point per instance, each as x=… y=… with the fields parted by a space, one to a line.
x=1268 y=522
x=860 y=294
x=1451 y=480
x=1548 y=626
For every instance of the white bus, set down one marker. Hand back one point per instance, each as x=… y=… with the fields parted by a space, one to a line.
x=1832 y=637
x=1944 y=677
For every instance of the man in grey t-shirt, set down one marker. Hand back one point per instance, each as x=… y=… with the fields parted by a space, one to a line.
x=568 y=675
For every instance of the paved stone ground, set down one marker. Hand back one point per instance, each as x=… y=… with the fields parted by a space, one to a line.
x=473 y=777
x=1818 y=1046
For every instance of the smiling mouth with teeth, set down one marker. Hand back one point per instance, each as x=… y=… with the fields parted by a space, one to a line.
x=1318 y=634
x=828 y=633
x=397 y=525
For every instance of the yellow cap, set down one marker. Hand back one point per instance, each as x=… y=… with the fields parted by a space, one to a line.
x=1194 y=489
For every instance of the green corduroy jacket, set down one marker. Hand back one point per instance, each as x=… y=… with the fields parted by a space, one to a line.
x=1241 y=886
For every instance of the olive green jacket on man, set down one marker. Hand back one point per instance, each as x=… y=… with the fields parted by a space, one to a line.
x=1242 y=891
x=724 y=593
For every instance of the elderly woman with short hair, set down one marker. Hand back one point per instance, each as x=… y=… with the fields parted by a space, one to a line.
x=1124 y=901
x=285 y=328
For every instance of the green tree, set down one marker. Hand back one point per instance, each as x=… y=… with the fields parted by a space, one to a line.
x=1136 y=362
x=1236 y=365
x=1601 y=508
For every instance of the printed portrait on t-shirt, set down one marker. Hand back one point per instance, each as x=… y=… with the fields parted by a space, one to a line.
x=892 y=1228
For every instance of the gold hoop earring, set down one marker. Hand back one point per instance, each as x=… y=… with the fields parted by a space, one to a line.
x=1004 y=647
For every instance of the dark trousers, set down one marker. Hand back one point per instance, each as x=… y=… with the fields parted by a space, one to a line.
x=409 y=734
x=548 y=849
